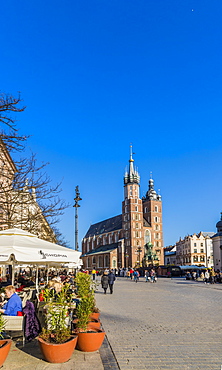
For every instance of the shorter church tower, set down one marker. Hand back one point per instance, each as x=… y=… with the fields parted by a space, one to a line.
x=152 y=210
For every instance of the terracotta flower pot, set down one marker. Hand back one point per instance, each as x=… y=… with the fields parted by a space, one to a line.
x=90 y=341
x=5 y=345
x=95 y=315
x=94 y=324
x=57 y=353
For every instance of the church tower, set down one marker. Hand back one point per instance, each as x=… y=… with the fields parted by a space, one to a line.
x=152 y=211
x=132 y=216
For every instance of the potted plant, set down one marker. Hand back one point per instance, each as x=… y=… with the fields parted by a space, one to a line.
x=89 y=338
x=5 y=344
x=56 y=341
x=95 y=312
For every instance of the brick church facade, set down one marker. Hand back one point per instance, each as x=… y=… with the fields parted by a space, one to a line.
x=131 y=239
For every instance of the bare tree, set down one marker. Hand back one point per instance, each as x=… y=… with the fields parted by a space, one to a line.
x=9 y=132
x=27 y=197
x=8 y=104
x=60 y=238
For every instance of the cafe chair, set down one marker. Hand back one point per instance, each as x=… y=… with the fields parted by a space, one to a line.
x=15 y=323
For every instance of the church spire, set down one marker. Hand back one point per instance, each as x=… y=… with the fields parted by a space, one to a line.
x=131 y=176
x=151 y=194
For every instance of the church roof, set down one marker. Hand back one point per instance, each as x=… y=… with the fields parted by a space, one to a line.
x=210 y=234
x=102 y=249
x=106 y=226
x=217 y=234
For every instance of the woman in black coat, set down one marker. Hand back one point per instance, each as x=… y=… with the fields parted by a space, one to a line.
x=111 y=279
x=105 y=281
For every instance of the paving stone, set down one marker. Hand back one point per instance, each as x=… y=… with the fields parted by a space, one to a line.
x=173 y=324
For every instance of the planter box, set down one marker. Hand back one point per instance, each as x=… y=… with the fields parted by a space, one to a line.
x=57 y=353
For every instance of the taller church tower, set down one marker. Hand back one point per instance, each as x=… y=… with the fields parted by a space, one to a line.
x=132 y=216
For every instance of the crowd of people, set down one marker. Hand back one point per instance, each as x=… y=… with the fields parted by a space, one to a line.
x=208 y=276
x=10 y=301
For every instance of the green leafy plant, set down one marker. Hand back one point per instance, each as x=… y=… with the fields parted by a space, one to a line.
x=2 y=325
x=57 y=314
x=86 y=293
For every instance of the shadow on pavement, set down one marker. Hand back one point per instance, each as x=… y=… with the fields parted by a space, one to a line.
x=31 y=348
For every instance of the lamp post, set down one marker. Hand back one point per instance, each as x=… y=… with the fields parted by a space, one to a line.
x=76 y=206
x=139 y=250
x=127 y=260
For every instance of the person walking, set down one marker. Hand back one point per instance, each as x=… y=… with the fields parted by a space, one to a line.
x=147 y=275
x=212 y=276
x=111 y=279
x=136 y=275
x=94 y=274
x=105 y=281
x=207 y=275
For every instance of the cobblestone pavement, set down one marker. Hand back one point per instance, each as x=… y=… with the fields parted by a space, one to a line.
x=30 y=358
x=172 y=324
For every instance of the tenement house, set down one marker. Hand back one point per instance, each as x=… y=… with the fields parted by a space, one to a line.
x=131 y=239
x=195 y=249
x=18 y=205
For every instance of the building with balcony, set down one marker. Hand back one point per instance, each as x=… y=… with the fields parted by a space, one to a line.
x=196 y=249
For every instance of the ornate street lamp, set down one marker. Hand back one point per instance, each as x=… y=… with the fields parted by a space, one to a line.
x=76 y=205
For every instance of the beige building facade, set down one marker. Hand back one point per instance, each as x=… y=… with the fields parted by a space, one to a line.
x=18 y=205
x=196 y=249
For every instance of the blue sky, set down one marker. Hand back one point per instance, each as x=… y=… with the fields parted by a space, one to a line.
x=98 y=75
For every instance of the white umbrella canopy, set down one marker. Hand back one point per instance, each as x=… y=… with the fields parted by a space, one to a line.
x=24 y=247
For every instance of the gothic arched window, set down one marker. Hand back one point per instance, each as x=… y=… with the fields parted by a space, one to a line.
x=106 y=261
x=147 y=237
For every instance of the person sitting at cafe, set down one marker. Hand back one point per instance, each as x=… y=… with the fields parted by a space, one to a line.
x=14 y=304
x=5 y=281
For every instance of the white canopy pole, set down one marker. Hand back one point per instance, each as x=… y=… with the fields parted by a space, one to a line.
x=13 y=271
x=47 y=274
x=36 y=278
